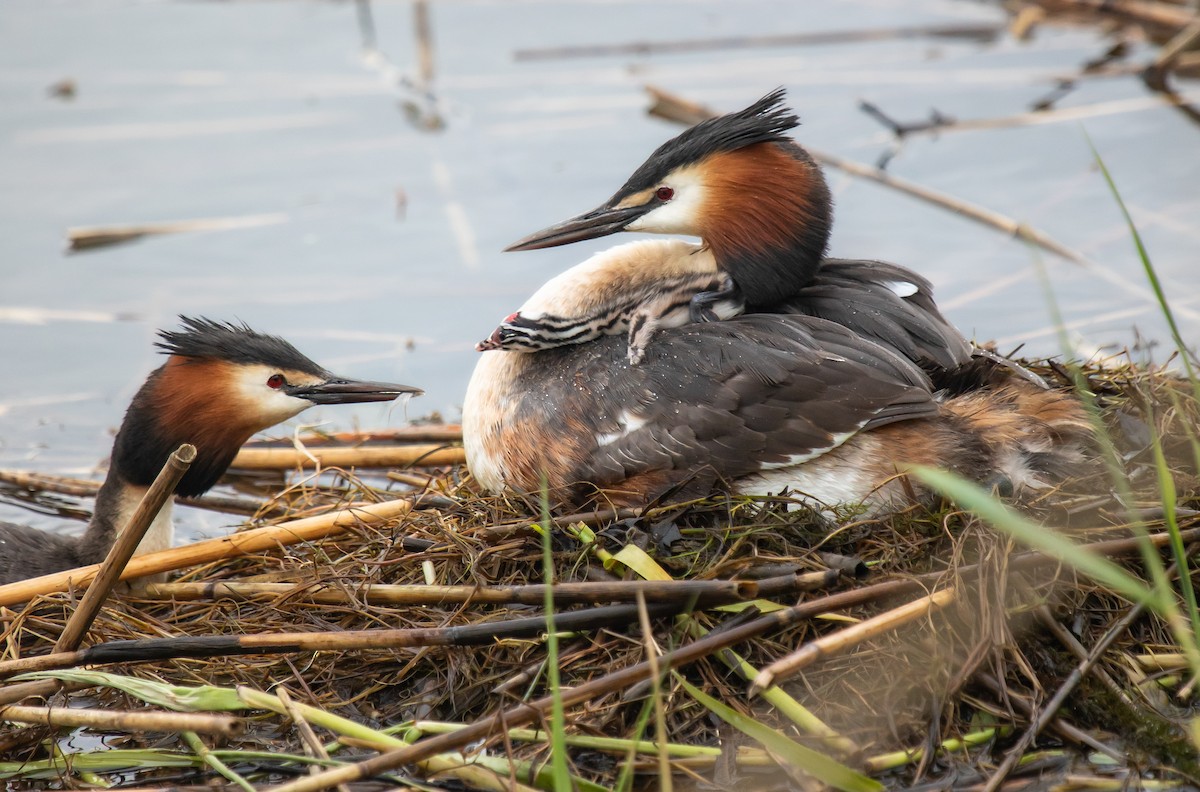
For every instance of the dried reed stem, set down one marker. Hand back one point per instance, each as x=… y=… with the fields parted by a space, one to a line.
x=534 y=594
x=88 y=237
x=367 y=456
x=125 y=721
x=441 y=433
x=243 y=543
x=152 y=649
x=113 y=565
x=843 y=640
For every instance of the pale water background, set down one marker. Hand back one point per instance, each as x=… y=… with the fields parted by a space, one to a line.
x=207 y=109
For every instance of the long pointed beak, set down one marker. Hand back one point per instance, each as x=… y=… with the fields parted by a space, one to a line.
x=599 y=222
x=343 y=391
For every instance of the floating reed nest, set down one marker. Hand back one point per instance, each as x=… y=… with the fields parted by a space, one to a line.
x=419 y=625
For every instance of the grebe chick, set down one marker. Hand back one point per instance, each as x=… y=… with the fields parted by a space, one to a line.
x=221 y=384
x=635 y=288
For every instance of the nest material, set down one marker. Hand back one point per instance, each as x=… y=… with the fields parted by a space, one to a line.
x=988 y=658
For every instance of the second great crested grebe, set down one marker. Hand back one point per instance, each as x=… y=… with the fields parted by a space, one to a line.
x=221 y=383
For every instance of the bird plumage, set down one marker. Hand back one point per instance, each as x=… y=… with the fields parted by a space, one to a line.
x=633 y=289
x=220 y=384
x=759 y=403
x=761 y=204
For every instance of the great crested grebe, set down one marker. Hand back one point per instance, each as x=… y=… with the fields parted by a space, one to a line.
x=220 y=384
x=633 y=289
x=761 y=205
x=759 y=403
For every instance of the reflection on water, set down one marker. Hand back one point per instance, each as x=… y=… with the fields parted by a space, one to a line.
x=388 y=264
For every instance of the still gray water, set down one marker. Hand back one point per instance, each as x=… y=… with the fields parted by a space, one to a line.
x=377 y=245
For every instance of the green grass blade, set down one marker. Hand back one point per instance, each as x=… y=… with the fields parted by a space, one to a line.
x=1151 y=274
x=1169 y=498
x=979 y=501
x=201 y=698
x=819 y=766
x=558 y=743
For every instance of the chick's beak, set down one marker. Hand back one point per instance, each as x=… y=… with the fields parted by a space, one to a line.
x=343 y=391
x=599 y=222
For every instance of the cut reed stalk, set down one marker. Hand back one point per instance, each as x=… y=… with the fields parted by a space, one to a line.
x=113 y=565
x=245 y=542
x=363 y=457
x=441 y=433
x=151 y=649
x=533 y=594
x=843 y=640
x=124 y=720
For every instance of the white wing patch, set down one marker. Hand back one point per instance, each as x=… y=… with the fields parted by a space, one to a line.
x=800 y=459
x=627 y=425
x=902 y=288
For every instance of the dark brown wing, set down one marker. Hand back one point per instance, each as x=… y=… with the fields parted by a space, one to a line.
x=887 y=303
x=716 y=400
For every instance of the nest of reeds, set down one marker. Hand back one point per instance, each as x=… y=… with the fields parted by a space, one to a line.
x=942 y=695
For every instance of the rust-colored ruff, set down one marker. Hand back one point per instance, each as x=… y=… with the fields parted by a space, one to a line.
x=757 y=199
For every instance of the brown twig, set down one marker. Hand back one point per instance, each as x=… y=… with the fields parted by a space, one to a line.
x=1163 y=14
x=1050 y=709
x=312 y=745
x=91 y=237
x=1068 y=731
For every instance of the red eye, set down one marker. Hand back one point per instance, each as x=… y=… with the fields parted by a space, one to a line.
x=276 y=381
x=664 y=193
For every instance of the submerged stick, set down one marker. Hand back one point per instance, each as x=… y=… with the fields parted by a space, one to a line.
x=112 y=567
x=209 y=550
x=125 y=721
x=86 y=488
x=90 y=237
x=366 y=456
x=983 y=32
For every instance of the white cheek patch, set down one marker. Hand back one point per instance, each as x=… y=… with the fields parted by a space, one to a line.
x=680 y=215
x=268 y=405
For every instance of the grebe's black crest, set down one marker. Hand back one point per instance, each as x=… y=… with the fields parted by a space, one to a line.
x=766 y=121
x=204 y=338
